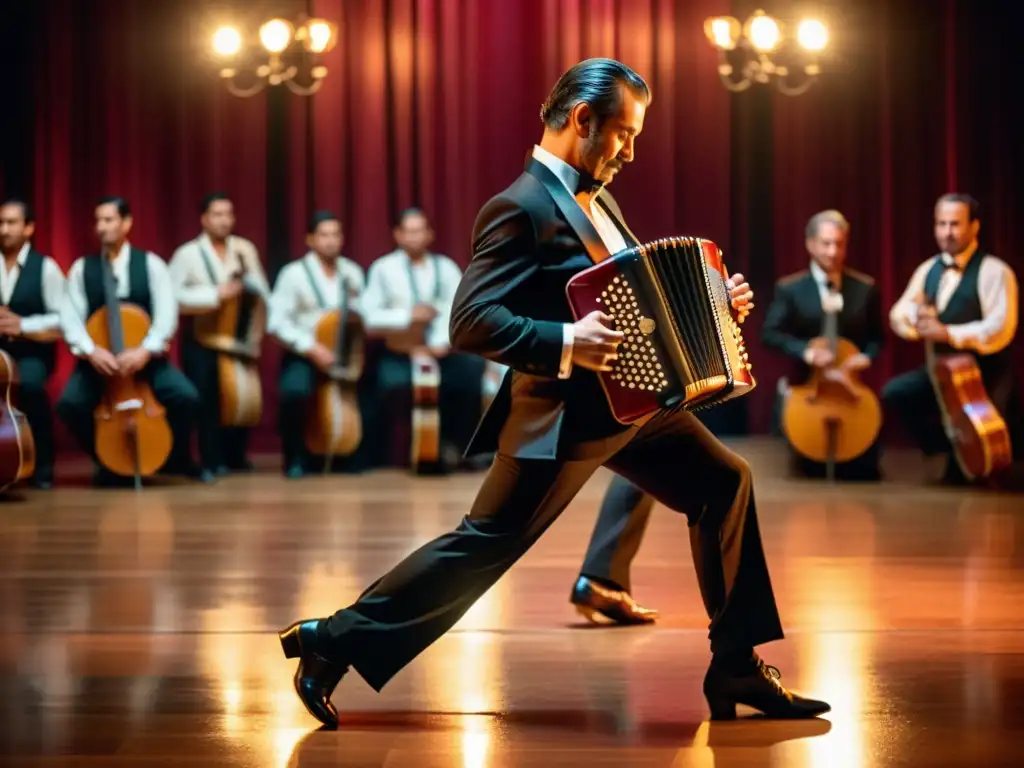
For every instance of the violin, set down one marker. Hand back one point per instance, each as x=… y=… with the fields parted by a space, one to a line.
x=133 y=437
x=976 y=430
x=235 y=331
x=833 y=416
x=17 y=445
x=334 y=425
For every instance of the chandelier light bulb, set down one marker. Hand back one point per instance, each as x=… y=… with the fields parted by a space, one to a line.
x=764 y=33
x=812 y=35
x=227 y=41
x=321 y=36
x=276 y=35
x=723 y=32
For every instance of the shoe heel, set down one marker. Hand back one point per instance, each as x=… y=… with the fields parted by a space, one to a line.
x=721 y=708
x=290 y=641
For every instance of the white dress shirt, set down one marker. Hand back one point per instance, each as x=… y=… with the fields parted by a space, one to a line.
x=74 y=307
x=997 y=292
x=195 y=292
x=296 y=307
x=394 y=285
x=603 y=223
x=53 y=292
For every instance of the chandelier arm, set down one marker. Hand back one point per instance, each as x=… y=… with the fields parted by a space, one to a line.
x=244 y=93
x=301 y=90
x=795 y=90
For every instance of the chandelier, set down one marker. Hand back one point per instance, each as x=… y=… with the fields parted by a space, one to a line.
x=750 y=48
x=284 y=50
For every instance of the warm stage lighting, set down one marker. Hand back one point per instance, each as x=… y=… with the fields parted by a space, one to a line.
x=227 y=41
x=812 y=35
x=275 y=35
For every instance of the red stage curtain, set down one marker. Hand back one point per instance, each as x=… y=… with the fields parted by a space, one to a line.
x=435 y=103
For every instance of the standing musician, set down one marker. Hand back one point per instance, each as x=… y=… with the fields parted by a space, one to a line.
x=31 y=288
x=216 y=276
x=975 y=296
x=796 y=317
x=141 y=279
x=552 y=427
x=408 y=300
x=304 y=292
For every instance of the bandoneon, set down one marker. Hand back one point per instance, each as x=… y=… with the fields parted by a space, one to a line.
x=682 y=347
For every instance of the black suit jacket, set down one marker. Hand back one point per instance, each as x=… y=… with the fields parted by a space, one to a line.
x=510 y=307
x=795 y=316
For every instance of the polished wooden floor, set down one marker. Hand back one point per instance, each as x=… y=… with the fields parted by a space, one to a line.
x=137 y=629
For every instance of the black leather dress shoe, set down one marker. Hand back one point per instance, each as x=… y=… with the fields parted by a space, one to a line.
x=758 y=688
x=594 y=601
x=316 y=677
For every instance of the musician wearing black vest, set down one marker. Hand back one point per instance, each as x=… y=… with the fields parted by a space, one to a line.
x=141 y=278
x=31 y=288
x=975 y=297
x=796 y=316
x=305 y=290
x=405 y=289
x=214 y=267
x=551 y=428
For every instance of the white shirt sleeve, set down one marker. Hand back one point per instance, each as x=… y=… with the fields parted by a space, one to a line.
x=165 y=306
x=282 y=312
x=903 y=315
x=53 y=295
x=192 y=288
x=565 y=364
x=451 y=275
x=377 y=315
x=997 y=291
x=74 y=308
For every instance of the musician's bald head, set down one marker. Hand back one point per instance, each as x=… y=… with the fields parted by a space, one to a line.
x=593 y=115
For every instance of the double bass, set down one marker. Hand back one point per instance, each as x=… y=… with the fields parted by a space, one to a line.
x=334 y=426
x=235 y=332
x=832 y=417
x=17 y=444
x=133 y=438
x=977 y=432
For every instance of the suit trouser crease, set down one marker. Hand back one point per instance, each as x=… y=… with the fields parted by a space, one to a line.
x=618 y=533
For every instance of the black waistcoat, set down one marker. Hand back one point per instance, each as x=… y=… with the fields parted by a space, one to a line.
x=27 y=300
x=138 y=281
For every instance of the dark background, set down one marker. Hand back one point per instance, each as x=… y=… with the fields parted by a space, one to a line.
x=435 y=103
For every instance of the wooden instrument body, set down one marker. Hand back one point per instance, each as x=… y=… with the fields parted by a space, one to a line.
x=648 y=374
x=235 y=331
x=334 y=425
x=17 y=444
x=977 y=431
x=132 y=433
x=832 y=416
x=425 y=447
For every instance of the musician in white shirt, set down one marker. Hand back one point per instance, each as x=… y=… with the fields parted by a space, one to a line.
x=31 y=288
x=408 y=300
x=306 y=290
x=140 y=278
x=962 y=300
x=215 y=267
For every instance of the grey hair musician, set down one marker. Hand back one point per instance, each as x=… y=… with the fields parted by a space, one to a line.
x=305 y=290
x=552 y=428
x=206 y=271
x=973 y=298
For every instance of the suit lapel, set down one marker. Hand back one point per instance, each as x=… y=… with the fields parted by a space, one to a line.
x=567 y=204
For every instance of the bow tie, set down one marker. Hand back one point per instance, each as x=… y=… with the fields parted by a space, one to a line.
x=949 y=262
x=587 y=183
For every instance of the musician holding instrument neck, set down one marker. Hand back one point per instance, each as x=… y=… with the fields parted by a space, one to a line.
x=118 y=316
x=962 y=301
x=31 y=289
x=553 y=425
x=305 y=315
x=408 y=300
x=222 y=291
x=822 y=384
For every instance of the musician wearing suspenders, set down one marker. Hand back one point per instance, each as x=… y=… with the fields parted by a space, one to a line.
x=31 y=289
x=408 y=301
x=304 y=291
x=214 y=268
x=962 y=300
x=796 y=319
x=140 y=278
x=552 y=427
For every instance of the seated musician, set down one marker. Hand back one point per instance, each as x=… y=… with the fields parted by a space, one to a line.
x=408 y=299
x=141 y=278
x=795 y=317
x=304 y=291
x=32 y=286
x=207 y=271
x=975 y=296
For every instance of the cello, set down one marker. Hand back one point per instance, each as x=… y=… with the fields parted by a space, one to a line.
x=132 y=436
x=334 y=425
x=832 y=417
x=235 y=332
x=977 y=432
x=17 y=445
